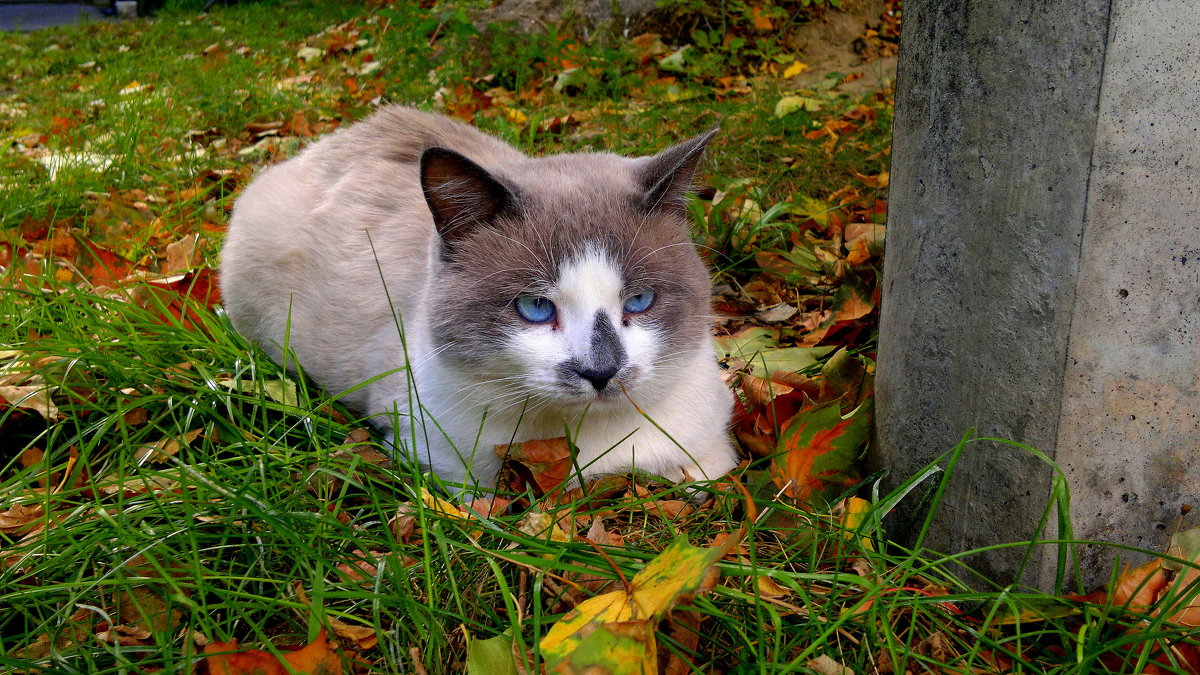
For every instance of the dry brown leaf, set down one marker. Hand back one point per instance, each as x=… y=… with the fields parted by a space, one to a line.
x=670 y=508
x=136 y=417
x=164 y=449
x=364 y=637
x=182 y=255
x=403 y=523
x=19 y=516
x=31 y=397
x=823 y=665
x=125 y=635
x=144 y=607
x=937 y=647
x=769 y=588
x=542 y=464
x=598 y=535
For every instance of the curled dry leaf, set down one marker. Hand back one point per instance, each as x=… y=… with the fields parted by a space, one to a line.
x=540 y=464
x=363 y=637
x=542 y=525
x=182 y=255
x=824 y=665
x=20 y=517
x=30 y=397
x=164 y=449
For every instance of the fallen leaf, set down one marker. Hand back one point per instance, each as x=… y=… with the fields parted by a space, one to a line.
x=543 y=526
x=18 y=517
x=513 y=115
x=317 y=658
x=824 y=665
x=30 y=397
x=762 y=22
x=769 y=588
x=853 y=512
x=790 y=104
x=795 y=69
x=363 y=637
x=541 y=464
x=182 y=255
x=280 y=391
x=777 y=313
x=852 y=300
x=493 y=656
x=818 y=450
x=614 y=633
x=756 y=348
x=164 y=449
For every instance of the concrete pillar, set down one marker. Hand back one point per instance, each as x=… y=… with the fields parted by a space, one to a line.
x=1042 y=275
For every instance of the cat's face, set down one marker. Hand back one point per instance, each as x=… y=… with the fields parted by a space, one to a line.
x=579 y=289
x=591 y=327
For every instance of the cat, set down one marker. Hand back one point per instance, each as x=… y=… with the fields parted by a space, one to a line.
x=486 y=297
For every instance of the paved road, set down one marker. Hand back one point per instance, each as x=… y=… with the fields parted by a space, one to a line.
x=32 y=16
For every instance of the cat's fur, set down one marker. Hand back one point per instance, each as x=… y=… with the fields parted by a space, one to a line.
x=387 y=223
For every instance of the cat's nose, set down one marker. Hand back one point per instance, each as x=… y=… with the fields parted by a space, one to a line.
x=598 y=378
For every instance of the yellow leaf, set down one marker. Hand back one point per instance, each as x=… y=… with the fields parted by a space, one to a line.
x=790 y=104
x=624 y=621
x=280 y=391
x=795 y=69
x=879 y=180
x=441 y=506
x=513 y=115
x=537 y=524
x=856 y=510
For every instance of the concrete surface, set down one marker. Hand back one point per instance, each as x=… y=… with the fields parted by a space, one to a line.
x=1129 y=439
x=1016 y=217
x=37 y=15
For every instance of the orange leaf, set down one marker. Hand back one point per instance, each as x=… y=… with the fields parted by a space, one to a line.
x=1189 y=615
x=793 y=472
x=761 y=20
x=317 y=658
x=250 y=662
x=1140 y=587
x=544 y=463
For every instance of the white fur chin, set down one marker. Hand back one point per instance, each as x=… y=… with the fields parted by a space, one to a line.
x=684 y=440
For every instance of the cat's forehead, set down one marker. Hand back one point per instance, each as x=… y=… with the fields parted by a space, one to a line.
x=590 y=273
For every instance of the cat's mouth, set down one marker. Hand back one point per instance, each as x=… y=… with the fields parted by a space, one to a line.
x=590 y=387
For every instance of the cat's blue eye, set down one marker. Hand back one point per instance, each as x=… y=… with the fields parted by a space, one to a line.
x=535 y=309
x=639 y=303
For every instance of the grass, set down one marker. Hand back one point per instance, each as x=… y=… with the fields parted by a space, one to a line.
x=182 y=496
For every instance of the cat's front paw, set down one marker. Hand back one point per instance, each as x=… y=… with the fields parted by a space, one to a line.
x=702 y=477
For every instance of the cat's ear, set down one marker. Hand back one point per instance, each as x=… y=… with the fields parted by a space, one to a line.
x=667 y=176
x=461 y=194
